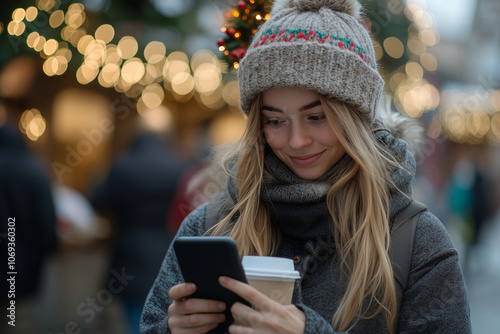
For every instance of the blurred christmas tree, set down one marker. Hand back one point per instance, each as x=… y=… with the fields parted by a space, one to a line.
x=242 y=23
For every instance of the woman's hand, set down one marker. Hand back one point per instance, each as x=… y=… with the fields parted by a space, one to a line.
x=268 y=315
x=193 y=316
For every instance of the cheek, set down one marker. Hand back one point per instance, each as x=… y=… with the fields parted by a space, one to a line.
x=329 y=138
x=274 y=139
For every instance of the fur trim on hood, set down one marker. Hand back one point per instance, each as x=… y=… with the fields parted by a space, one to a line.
x=408 y=129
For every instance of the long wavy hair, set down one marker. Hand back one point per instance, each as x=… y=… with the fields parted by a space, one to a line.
x=358 y=202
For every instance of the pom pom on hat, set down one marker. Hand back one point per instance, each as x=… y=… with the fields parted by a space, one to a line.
x=351 y=7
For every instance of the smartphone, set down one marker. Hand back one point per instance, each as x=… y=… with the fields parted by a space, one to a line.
x=202 y=261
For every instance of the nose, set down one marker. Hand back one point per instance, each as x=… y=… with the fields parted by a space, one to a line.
x=299 y=136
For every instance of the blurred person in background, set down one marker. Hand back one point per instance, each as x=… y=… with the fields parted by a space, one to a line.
x=199 y=183
x=470 y=196
x=26 y=204
x=484 y=192
x=137 y=195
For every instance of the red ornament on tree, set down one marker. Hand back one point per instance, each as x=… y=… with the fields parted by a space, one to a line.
x=242 y=4
x=230 y=32
x=220 y=42
x=238 y=53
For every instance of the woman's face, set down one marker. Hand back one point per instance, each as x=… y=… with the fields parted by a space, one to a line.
x=298 y=132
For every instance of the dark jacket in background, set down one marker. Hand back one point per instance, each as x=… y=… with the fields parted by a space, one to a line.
x=25 y=195
x=138 y=193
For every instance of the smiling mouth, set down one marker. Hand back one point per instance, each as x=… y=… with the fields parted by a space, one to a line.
x=306 y=159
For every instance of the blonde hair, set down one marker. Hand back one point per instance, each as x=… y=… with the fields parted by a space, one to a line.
x=252 y=230
x=358 y=201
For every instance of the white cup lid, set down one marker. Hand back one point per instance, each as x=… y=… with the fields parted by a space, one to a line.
x=269 y=267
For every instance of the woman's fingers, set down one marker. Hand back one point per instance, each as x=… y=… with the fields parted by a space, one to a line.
x=199 y=330
x=245 y=291
x=192 y=315
x=246 y=316
x=267 y=317
x=197 y=320
x=195 y=305
x=243 y=314
x=184 y=305
x=180 y=291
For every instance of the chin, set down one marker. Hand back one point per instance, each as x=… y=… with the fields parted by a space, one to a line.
x=308 y=175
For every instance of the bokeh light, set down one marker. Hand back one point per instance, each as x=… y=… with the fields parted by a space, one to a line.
x=182 y=83
x=394 y=47
x=105 y=33
x=429 y=62
x=109 y=75
x=32 y=124
x=39 y=43
x=154 y=52
x=414 y=70
x=31 y=13
x=47 y=5
x=153 y=95
x=50 y=47
x=157 y=119
x=18 y=15
x=469 y=117
x=128 y=47
x=133 y=70
x=231 y=93
x=207 y=78
x=416 y=46
x=75 y=16
x=86 y=73
x=56 y=18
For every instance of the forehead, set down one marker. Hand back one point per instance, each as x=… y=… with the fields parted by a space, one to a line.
x=288 y=97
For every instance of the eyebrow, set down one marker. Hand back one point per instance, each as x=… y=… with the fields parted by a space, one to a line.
x=306 y=107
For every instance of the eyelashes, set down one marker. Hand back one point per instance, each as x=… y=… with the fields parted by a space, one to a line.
x=315 y=119
x=274 y=122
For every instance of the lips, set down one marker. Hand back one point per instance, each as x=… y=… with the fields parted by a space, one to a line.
x=306 y=160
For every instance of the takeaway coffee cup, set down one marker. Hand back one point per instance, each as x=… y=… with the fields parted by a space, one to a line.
x=273 y=276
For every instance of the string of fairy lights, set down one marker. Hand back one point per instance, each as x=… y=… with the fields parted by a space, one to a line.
x=118 y=65
x=153 y=74
x=413 y=94
x=466 y=116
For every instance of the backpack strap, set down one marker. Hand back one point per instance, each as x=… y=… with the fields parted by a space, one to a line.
x=401 y=247
x=402 y=238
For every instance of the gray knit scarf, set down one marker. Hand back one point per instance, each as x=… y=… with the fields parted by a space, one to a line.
x=281 y=184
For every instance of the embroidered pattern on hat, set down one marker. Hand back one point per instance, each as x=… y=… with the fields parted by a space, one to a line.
x=309 y=35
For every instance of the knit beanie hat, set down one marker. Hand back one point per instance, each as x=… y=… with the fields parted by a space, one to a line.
x=317 y=45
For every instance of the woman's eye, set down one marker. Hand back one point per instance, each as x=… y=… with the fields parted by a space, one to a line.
x=274 y=122
x=317 y=118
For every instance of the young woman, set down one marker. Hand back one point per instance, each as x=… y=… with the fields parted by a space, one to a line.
x=318 y=178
